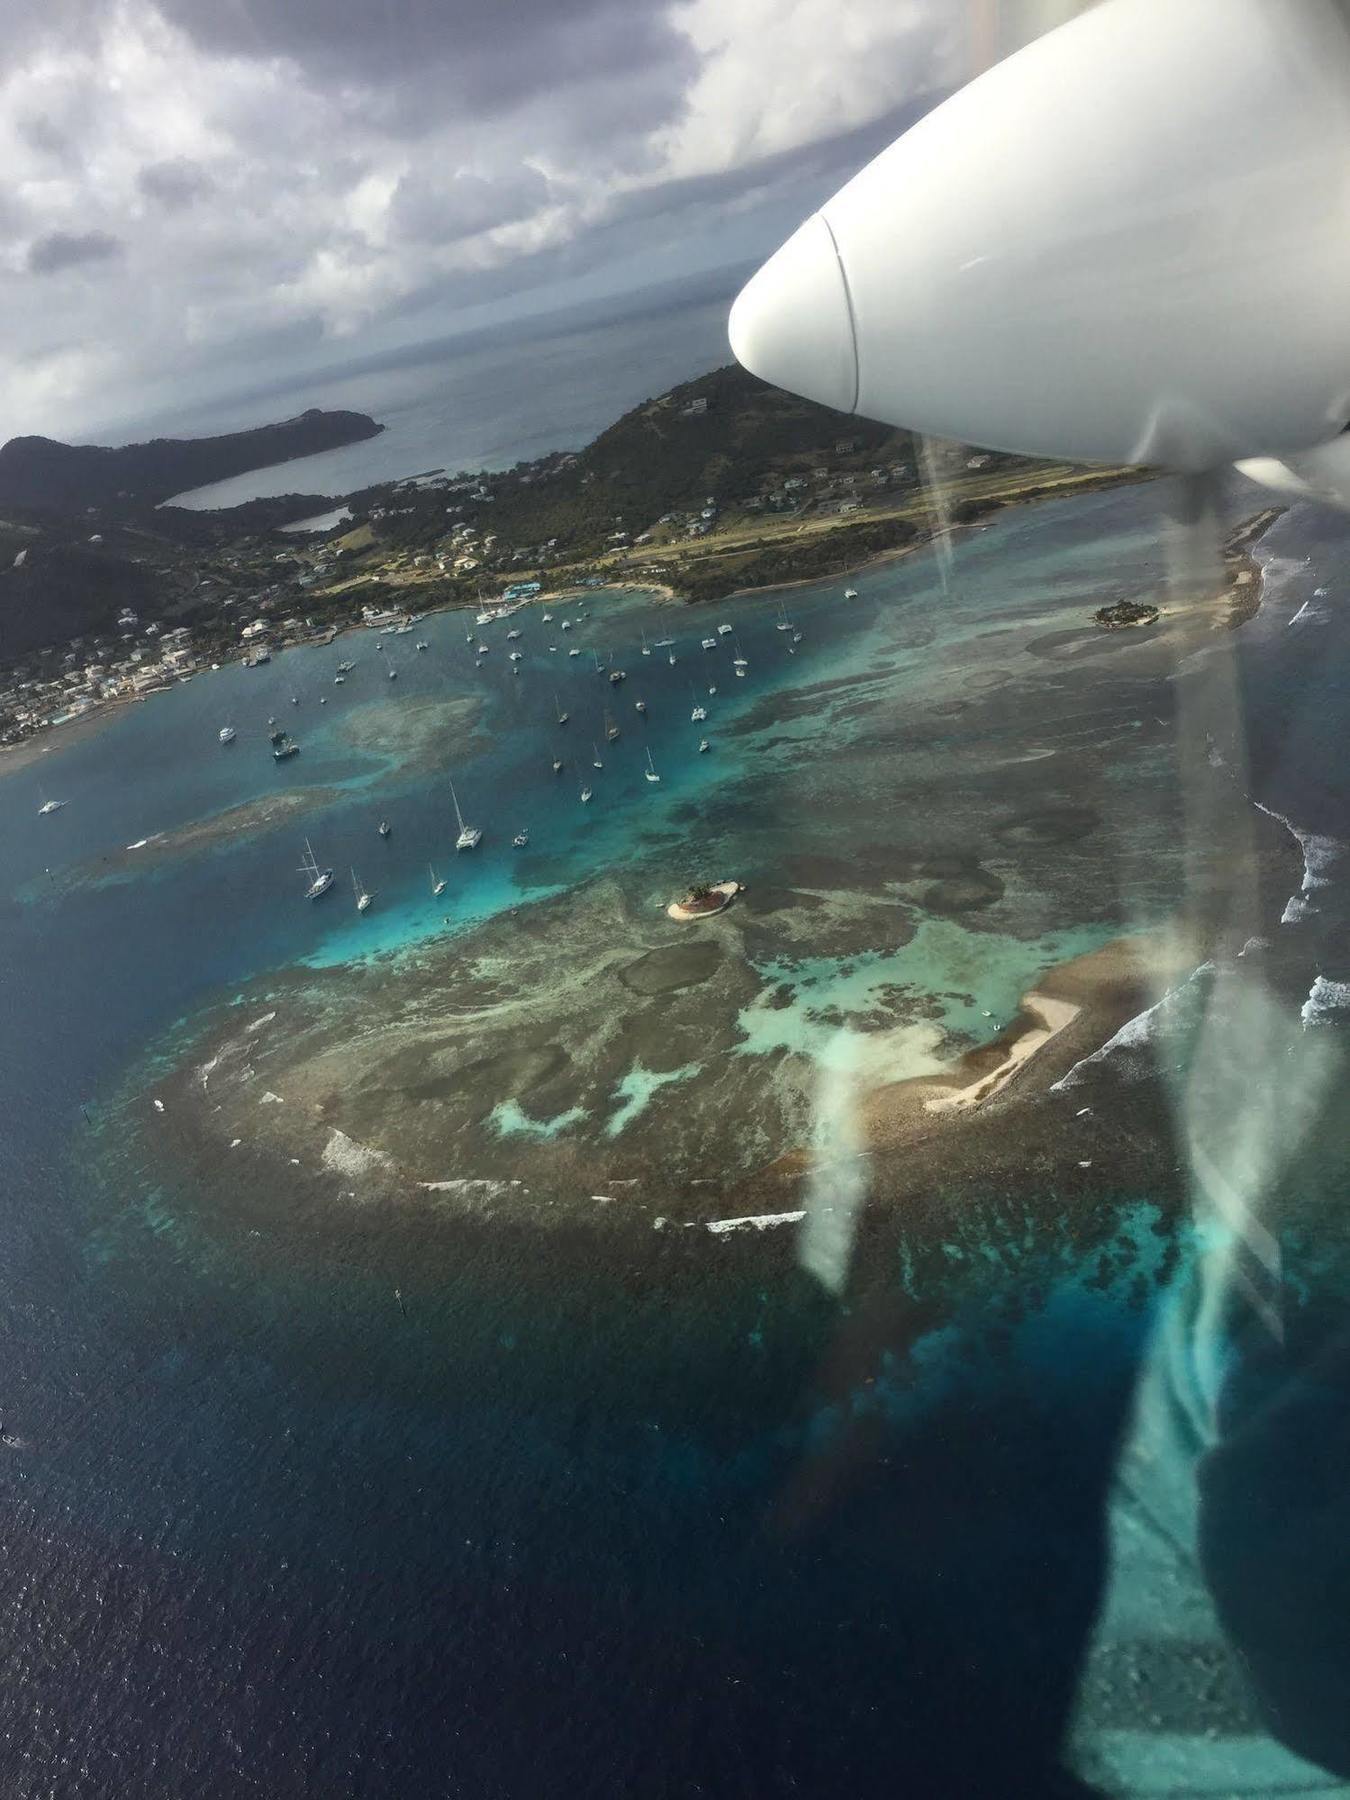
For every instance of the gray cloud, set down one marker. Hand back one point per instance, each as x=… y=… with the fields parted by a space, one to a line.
x=485 y=55
x=300 y=182
x=175 y=182
x=60 y=250
x=44 y=134
x=436 y=208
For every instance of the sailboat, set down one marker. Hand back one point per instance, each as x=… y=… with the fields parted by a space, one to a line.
x=700 y=711
x=557 y=707
x=651 y=768
x=585 y=795
x=319 y=880
x=596 y=762
x=363 y=899
x=784 y=623
x=665 y=643
x=671 y=659
x=469 y=835
x=611 y=729
x=437 y=884
x=740 y=660
x=646 y=648
x=599 y=666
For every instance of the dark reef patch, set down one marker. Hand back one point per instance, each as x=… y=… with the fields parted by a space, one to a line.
x=963 y=893
x=1050 y=825
x=677 y=966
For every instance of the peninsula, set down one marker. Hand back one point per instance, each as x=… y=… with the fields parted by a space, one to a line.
x=39 y=472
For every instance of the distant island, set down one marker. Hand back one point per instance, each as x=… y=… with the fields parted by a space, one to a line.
x=704 y=899
x=1124 y=614
x=42 y=473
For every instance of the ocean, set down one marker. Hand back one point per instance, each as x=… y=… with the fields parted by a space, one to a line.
x=309 y=1498
x=486 y=401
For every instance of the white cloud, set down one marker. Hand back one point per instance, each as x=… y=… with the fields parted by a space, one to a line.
x=200 y=202
x=777 y=74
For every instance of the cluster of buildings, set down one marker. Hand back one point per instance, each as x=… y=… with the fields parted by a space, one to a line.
x=847 y=490
x=55 y=685
x=68 y=684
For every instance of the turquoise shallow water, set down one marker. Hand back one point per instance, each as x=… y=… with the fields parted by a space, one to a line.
x=158 y=765
x=978 y=980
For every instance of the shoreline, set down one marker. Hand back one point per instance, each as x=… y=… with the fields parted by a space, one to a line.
x=14 y=758
x=1241 y=571
x=1072 y=1010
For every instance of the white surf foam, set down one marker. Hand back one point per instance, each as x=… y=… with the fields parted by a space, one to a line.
x=1135 y=1035
x=350 y=1158
x=1320 y=857
x=1326 y=1000
x=756 y=1222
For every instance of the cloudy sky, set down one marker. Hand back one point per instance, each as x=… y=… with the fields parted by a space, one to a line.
x=198 y=193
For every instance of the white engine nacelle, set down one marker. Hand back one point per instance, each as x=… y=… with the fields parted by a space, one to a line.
x=1128 y=243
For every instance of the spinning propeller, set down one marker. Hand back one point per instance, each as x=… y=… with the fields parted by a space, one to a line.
x=1129 y=242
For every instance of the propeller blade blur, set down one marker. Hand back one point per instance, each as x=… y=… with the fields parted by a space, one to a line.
x=1321 y=474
